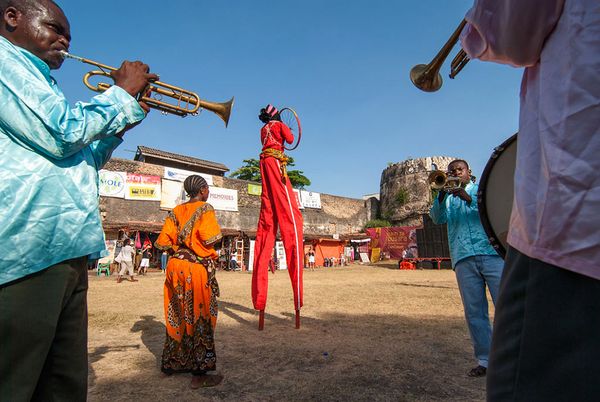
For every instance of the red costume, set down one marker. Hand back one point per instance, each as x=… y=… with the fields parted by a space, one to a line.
x=278 y=209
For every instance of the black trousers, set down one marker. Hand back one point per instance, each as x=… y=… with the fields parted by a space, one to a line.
x=43 y=335
x=546 y=338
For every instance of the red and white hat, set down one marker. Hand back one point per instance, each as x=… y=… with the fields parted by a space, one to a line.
x=271 y=110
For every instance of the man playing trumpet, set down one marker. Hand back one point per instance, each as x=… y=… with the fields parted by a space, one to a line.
x=49 y=218
x=474 y=261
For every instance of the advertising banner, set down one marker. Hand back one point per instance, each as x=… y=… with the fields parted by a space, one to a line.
x=394 y=240
x=172 y=194
x=112 y=184
x=181 y=175
x=223 y=199
x=254 y=189
x=142 y=187
x=310 y=199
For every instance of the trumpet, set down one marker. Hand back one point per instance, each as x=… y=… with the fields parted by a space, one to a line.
x=439 y=180
x=427 y=77
x=183 y=103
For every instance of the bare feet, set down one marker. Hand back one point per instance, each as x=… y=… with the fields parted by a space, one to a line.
x=205 y=380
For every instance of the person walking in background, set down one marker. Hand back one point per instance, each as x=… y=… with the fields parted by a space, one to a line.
x=476 y=264
x=145 y=263
x=50 y=223
x=191 y=289
x=163 y=261
x=311 y=259
x=547 y=326
x=125 y=259
x=137 y=260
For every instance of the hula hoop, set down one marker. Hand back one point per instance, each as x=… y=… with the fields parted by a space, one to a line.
x=290 y=118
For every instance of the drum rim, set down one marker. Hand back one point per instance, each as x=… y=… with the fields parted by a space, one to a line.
x=487 y=227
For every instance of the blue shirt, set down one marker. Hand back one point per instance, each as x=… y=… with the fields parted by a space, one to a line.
x=50 y=157
x=465 y=232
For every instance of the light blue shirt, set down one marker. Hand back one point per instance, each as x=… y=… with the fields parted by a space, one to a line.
x=50 y=157
x=465 y=232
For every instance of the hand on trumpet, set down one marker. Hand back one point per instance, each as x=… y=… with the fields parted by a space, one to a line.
x=460 y=193
x=134 y=77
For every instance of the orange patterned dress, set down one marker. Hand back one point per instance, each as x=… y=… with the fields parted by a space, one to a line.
x=191 y=289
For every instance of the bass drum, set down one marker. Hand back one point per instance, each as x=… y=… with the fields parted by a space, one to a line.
x=495 y=195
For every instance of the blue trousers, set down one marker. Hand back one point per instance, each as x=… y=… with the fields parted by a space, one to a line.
x=473 y=274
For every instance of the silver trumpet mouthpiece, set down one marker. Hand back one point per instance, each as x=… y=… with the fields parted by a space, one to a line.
x=67 y=55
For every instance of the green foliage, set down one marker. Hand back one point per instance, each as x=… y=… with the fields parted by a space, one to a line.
x=251 y=171
x=401 y=197
x=377 y=223
x=298 y=179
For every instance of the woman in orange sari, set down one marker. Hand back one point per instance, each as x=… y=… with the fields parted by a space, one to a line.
x=191 y=289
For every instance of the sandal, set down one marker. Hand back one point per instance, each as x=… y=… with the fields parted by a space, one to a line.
x=478 y=371
x=205 y=381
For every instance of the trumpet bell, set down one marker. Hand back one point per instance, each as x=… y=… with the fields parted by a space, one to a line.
x=437 y=179
x=425 y=79
x=221 y=109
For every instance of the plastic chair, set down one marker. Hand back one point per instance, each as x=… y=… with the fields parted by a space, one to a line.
x=104 y=267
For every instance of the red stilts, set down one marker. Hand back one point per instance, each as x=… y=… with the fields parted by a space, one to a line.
x=297 y=319
x=261 y=320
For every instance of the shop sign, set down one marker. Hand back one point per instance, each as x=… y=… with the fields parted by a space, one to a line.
x=172 y=194
x=181 y=175
x=112 y=184
x=223 y=199
x=254 y=189
x=310 y=199
x=142 y=187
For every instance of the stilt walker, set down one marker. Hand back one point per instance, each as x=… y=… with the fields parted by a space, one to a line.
x=279 y=209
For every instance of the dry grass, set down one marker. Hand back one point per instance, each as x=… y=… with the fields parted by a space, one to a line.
x=368 y=333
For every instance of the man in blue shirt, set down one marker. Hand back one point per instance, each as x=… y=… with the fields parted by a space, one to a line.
x=474 y=260
x=49 y=218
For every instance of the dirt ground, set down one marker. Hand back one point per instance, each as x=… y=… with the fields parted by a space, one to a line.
x=368 y=333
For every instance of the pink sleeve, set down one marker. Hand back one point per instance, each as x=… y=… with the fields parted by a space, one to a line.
x=509 y=31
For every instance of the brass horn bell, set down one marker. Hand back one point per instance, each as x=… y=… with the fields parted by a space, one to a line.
x=427 y=77
x=439 y=180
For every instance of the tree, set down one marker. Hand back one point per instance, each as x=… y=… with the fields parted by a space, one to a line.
x=251 y=171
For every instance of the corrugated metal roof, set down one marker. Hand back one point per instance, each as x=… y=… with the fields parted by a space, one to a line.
x=157 y=153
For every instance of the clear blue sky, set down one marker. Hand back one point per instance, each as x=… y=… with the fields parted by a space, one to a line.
x=343 y=65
